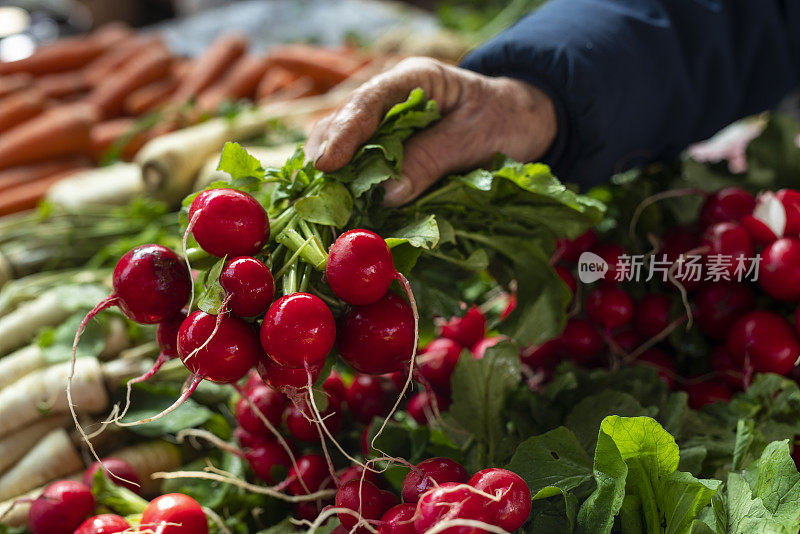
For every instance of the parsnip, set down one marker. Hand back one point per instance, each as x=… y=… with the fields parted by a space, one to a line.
x=19 y=363
x=52 y=457
x=15 y=446
x=19 y=326
x=43 y=392
x=148 y=458
x=116 y=184
x=170 y=163
x=18 y=517
x=269 y=156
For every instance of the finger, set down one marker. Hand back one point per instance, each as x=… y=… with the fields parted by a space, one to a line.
x=447 y=147
x=315 y=144
x=361 y=114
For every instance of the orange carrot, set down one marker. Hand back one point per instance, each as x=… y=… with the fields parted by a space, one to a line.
x=62 y=84
x=275 y=79
x=150 y=96
x=239 y=82
x=27 y=173
x=14 y=82
x=117 y=57
x=328 y=67
x=209 y=66
x=59 y=131
x=106 y=133
x=27 y=196
x=142 y=70
x=19 y=107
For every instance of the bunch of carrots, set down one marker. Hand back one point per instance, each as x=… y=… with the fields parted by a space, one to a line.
x=73 y=102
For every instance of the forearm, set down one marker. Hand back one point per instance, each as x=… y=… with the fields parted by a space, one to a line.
x=637 y=81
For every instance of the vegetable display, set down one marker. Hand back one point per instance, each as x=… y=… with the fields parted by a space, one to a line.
x=501 y=355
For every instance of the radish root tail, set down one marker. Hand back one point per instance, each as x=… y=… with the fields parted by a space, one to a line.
x=191 y=384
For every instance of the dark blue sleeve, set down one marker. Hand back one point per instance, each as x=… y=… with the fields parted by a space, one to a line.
x=638 y=80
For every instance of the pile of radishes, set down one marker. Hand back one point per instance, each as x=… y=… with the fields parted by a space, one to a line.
x=68 y=507
x=748 y=324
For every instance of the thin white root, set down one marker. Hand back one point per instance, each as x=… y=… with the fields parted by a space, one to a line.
x=217 y=322
x=195 y=381
x=209 y=437
x=447 y=523
x=217 y=520
x=328 y=512
x=321 y=494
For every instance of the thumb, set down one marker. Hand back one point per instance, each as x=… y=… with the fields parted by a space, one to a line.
x=430 y=155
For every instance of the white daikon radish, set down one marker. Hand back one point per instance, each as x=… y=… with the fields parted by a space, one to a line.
x=116 y=184
x=52 y=457
x=43 y=393
x=15 y=446
x=19 y=363
x=170 y=162
x=20 y=326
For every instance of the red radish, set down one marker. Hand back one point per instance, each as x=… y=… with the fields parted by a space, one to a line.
x=298 y=330
x=380 y=337
x=224 y=357
x=662 y=362
x=466 y=330
x=245 y=439
x=286 y=379
x=437 y=362
x=309 y=511
x=360 y=267
x=729 y=204
x=398 y=520
x=779 y=272
x=513 y=504
x=790 y=198
x=449 y=501
x=582 y=342
x=652 y=315
x=510 y=306
x=334 y=385
x=103 y=524
x=61 y=508
x=547 y=355
x=610 y=253
x=609 y=306
x=249 y=284
x=268 y=460
x=300 y=420
x=730 y=241
x=175 y=513
x=627 y=340
x=421 y=405
x=118 y=471
x=362 y=497
x=389 y=499
x=570 y=250
x=366 y=398
x=719 y=304
x=312 y=470
x=228 y=222
x=797 y=320
x=151 y=284
x=758 y=230
x=356 y=472
x=677 y=241
x=479 y=348
x=727 y=371
x=429 y=474
x=764 y=341
x=269 y=402
x=706 y=392
x=568 y=278
x=253 y=381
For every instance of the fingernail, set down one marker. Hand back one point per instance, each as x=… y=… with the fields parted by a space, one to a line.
x=321 y=151
x=397 y=191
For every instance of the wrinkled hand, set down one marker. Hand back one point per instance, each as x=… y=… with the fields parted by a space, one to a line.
x=481 y=116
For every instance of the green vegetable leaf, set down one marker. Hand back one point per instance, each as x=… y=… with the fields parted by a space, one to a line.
x=121 y=500
x=56 y=343
x=423 y=233
x=610 y=471
x=149 y=400
x=236 y=161
x=480 y=389
x=210 y=300
x=331 y=206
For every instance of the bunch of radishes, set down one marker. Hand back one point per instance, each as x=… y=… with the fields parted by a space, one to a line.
x=63 y=507
x=746 y=321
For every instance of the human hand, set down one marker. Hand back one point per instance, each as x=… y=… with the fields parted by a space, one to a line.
x=481 y=116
